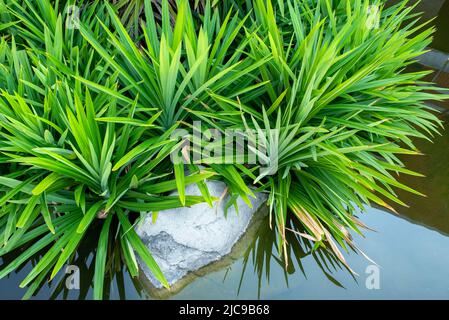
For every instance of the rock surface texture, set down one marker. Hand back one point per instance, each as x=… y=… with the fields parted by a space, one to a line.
x=186 y=239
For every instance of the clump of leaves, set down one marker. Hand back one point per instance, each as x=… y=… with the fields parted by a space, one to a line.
x=338 y=110
x=70 y=158
x=87 y=116
x=131 y=12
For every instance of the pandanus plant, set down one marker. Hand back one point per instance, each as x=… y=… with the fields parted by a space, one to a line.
x=339 y=109
x=87 y=114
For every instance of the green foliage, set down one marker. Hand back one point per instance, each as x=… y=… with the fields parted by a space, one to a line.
x=87 y=115
x=338 y=110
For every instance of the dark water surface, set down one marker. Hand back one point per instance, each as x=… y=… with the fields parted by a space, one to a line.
x=411 y=250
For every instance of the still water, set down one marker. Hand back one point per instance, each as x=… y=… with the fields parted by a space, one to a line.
x=411 y=250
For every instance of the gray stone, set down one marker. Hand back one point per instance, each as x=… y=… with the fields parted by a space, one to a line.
x=186 y=239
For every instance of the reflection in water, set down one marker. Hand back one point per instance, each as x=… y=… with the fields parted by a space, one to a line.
x=263 y=255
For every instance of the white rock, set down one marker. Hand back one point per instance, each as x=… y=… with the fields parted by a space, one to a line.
x=187 y=239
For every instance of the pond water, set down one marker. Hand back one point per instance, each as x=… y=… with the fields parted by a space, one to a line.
x=411 y=250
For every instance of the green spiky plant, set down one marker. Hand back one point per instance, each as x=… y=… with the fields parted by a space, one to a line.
x=338 y=111
x=131 y=12
x=87 y=114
